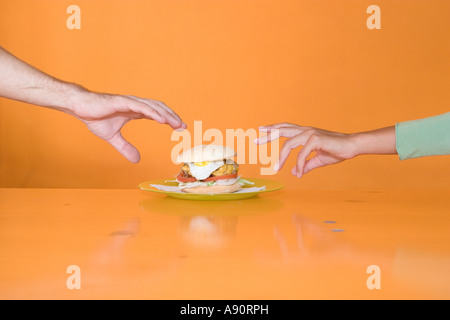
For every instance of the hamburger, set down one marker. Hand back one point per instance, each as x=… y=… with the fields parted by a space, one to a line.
x=208 y=169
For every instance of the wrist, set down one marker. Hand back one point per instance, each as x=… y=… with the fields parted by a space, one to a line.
x=73 y=95
x=359 y=141
x=380 y=141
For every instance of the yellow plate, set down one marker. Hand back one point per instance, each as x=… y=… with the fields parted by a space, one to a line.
x=269 y=184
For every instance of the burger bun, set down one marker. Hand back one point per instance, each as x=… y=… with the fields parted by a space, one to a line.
x=210 y=152
x=214 y=189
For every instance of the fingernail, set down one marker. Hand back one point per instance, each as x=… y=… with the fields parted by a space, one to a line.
x=276 y=167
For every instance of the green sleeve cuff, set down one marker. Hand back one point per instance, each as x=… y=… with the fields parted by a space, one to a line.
x=423 y=137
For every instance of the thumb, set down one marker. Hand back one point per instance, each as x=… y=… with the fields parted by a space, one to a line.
x=125 y=148
x=310 y=164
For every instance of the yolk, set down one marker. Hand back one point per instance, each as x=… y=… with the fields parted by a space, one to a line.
x=201 y=164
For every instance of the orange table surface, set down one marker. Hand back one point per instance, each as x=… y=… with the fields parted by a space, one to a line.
x=133 y=244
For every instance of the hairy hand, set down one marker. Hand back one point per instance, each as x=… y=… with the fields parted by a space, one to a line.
x=106 y=114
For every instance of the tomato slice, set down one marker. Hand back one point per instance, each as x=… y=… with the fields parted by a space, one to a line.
x=224 y=177
x=181 y=178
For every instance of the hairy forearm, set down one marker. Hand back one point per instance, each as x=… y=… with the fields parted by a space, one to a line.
x=379 y=141
x=22 y=82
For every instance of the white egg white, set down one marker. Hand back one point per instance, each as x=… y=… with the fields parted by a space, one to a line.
x=204 y=171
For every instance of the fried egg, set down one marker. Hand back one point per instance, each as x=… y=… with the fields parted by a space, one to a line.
x=202 y=170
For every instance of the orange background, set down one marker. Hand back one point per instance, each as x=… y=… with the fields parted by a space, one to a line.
x=232 y=64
